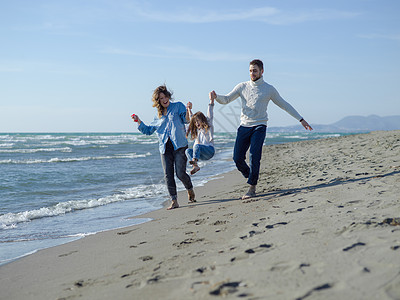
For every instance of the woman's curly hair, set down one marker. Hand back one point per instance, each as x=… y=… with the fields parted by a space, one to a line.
x=156 y=94
x=201 y=118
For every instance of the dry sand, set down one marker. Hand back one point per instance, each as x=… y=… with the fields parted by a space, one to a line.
x=325 y=225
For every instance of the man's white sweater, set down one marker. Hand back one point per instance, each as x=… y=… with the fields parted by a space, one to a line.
x=255 y=97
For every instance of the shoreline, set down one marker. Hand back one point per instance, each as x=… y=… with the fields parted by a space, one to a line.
x=324 y=223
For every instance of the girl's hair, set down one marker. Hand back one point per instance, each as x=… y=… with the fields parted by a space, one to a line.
x=201 y=118
x=156 y=94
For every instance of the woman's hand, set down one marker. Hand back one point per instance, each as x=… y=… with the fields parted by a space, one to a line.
x=135 y=118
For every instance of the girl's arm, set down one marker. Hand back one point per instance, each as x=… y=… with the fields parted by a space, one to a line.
x=189 y=113
x=210 y=111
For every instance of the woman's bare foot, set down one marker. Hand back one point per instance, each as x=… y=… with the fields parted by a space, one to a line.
x=191 y=196
x=173 y=205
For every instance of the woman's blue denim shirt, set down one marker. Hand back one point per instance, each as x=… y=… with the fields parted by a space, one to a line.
x=171 y=126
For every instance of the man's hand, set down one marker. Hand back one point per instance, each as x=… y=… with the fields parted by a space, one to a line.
x=306 y=125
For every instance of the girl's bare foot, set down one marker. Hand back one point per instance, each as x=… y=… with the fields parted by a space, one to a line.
x=193 y=161
x=195 y=169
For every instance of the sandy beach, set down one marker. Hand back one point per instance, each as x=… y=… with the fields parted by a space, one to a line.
x=324 y=225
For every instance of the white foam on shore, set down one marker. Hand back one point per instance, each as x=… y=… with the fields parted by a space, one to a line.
x=34 y=150
x=10 y=220
x=72 y=159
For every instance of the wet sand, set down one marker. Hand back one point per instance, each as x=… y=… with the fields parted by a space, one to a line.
x=324 y=225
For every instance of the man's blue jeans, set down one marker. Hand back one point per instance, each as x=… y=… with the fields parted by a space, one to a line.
x=200 y=152
x=253 y=138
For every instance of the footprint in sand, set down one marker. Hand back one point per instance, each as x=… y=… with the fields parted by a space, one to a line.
x=303 y=265
x=82 y=283
x=258 y=249
x=202 y=270
x=187 y=242
x=146 y=258
x=353 y=246
x=220 y=222
x=226 y=288
x=298 y=210
x=196 y=222
x=66 y=254
x=274 y=225
x=309 y=231
x=251 y=234
x=125 y=232
x=316 y=289
x=154 y=279
x=391 y=221
x=245 y=255
x=135 y=246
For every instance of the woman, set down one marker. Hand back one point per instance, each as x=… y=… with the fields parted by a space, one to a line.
x=170 y=127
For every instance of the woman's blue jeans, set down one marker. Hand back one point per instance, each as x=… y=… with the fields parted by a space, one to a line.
x=175 y=159
x=200 y=152
x=253 y=138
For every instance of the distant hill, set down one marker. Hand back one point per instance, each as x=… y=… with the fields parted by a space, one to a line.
x=349 y=124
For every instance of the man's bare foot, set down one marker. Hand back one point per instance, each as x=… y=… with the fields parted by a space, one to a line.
x=195 y=169
x=250 y=193
x=191 y=196
x=173 y=205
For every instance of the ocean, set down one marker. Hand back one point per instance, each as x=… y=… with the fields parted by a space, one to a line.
x=59 y=187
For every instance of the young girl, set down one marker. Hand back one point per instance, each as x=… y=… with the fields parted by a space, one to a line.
x=170 y=126
x=201 y=129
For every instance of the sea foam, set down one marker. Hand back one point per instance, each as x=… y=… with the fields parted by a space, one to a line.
x=9 y=220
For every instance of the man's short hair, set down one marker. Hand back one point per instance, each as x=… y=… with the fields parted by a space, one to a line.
x=258 y=63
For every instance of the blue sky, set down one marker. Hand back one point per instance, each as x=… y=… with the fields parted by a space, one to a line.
x=87 y=65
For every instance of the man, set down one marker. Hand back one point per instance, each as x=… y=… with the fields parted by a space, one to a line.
x=255 y=95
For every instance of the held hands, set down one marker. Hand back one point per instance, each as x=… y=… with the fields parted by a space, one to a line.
x=306 y=125
x=212 y=96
